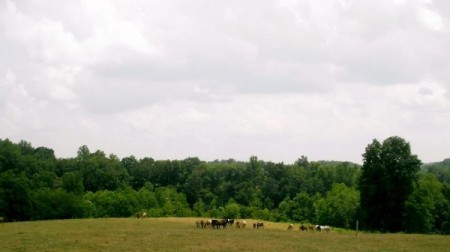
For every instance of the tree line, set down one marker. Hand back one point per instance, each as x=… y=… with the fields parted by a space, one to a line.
x=35 y=185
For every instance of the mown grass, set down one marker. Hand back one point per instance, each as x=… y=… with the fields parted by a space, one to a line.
x=181 y=234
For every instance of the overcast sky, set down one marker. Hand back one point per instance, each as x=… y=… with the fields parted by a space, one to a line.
x=226 y=79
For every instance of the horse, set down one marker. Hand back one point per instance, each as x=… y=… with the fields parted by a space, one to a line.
x=303 y=228
x=323 y=228
x=238 y=224
x=203 y=224
x=218 y=223
x=244 y=224
x=141 y=215
x=290 y=227
x=259 y=224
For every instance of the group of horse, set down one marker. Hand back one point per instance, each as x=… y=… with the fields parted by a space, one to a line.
x=310 y=227
x=214 y=223
x=218 y=223
x=223 y=223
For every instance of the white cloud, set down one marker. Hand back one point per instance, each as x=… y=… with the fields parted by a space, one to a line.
x=431 y=20
x=45 y=40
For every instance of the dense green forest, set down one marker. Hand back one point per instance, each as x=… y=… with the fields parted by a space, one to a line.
x=36 y=185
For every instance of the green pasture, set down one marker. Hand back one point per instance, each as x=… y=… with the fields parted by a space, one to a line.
x=181 y=234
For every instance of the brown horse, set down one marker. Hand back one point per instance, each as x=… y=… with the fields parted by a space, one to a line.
x=141 y=215
x=258 y=224
x=290 y=227
x=303 y=228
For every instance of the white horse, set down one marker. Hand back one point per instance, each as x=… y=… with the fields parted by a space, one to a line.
x=323 y=228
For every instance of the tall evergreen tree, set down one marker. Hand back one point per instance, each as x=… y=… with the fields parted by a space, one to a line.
x=388 y=175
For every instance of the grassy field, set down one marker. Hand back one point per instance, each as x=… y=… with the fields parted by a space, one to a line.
x=181 y=234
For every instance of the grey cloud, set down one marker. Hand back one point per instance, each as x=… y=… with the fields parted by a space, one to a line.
x=186 y=74
x=102 y=96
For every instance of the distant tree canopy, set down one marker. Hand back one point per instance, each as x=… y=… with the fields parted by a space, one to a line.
x=440 y=170
x=36 y=185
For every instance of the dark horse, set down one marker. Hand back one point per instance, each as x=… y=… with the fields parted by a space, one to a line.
x=303 y=228
x=218 y=223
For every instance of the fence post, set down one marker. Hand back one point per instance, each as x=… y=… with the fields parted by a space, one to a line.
x=357 y=227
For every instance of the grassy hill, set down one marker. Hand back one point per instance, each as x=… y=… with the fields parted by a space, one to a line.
x=181 y=234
